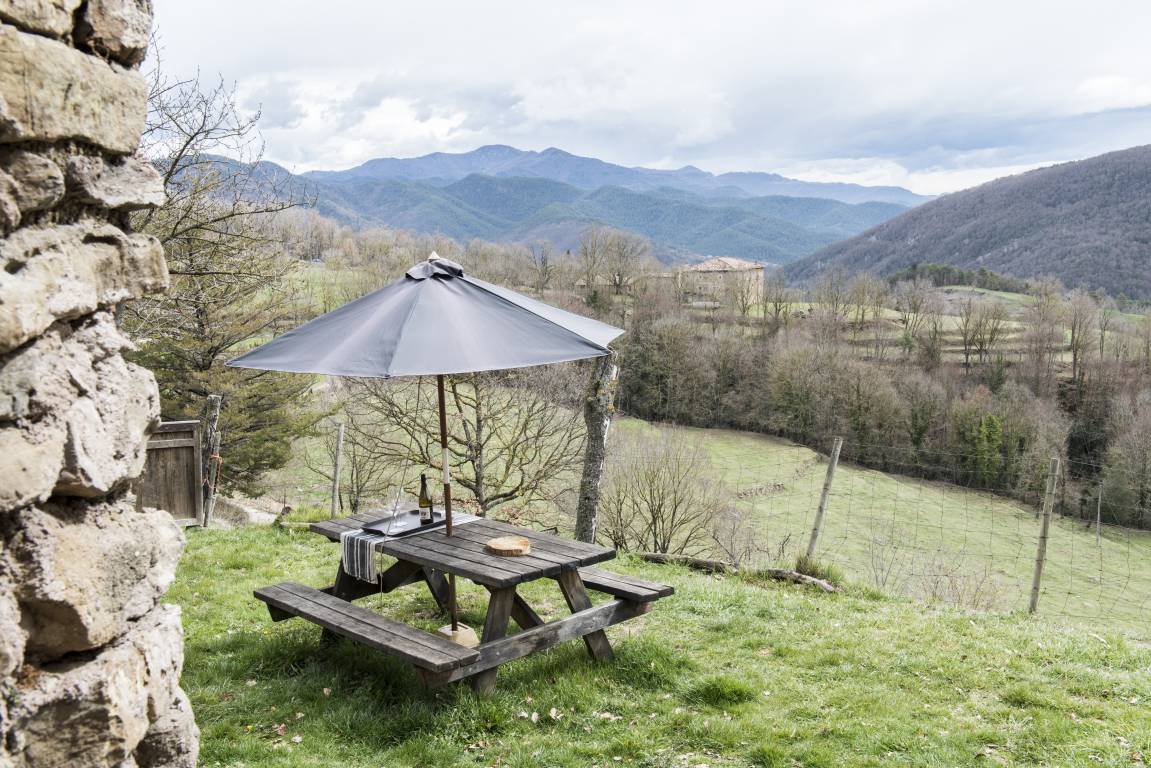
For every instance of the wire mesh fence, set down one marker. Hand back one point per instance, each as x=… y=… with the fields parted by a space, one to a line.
x=897 y=530
x=944 y=542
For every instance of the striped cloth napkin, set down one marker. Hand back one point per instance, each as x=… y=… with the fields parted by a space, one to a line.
x=358 y=549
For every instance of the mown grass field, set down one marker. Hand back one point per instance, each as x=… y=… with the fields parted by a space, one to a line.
x=926 y=539
x=728 y=672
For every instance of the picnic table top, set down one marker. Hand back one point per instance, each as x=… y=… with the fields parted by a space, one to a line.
x=463 y=552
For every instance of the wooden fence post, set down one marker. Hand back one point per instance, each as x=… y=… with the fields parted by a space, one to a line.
x=1044 y=527
x=817 y=526
x=1099 y=515
x=212 y=475
x=336 y=471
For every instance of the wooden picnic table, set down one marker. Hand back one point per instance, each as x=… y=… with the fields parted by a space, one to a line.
x=428 y=555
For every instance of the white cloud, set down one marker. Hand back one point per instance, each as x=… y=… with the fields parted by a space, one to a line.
x=926 y=93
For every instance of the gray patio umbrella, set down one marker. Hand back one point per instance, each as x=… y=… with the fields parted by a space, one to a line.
x=434 y=321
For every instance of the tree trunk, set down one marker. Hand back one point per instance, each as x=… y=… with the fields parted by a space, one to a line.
x=597 y=412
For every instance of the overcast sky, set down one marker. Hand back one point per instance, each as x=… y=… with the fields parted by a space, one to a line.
x=932 y=95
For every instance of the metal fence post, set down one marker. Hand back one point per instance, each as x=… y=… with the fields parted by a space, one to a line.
x=336 y=471
x=817 y=526
x=1044 y=527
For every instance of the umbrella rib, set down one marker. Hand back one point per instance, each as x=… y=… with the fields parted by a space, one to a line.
x=482 y=286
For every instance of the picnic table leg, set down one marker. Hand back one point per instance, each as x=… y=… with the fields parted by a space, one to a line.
x=522 y=613
x=438 y=586
x=575 y=593
x=495 y=627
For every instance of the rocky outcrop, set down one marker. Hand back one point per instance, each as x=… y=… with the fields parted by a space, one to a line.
x=90 y=659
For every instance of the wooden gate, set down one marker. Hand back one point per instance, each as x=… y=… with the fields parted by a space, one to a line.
x=173 y=474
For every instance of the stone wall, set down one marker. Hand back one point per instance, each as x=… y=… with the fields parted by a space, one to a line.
x=89 y=659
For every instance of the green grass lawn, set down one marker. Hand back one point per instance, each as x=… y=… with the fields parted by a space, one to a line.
x=928 y=540
x=727 y=672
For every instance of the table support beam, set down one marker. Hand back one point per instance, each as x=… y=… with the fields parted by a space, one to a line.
x=522 y=613
x=578 y=600
x=540 y=638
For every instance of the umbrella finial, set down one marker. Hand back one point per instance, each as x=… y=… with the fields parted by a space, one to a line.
x=433 y=256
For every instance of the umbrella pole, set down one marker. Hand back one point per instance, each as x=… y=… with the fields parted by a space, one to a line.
x=447 y=495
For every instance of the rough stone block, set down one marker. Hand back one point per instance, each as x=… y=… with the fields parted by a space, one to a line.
x=31 y=436
x=50 y=92
x=49 y=391
x=65 y=272
x=9 y=208
x=87 y=571
x=12 y=634
x=39 y=182
x=90 y=712
x=173 y=740
x=107 y=430
x=117 y=28
x=124 y=185
x=48 y=17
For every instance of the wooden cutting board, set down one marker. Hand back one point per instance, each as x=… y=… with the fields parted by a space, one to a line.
x=508 y=546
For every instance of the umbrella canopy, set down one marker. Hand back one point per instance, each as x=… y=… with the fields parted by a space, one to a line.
x=434 y=320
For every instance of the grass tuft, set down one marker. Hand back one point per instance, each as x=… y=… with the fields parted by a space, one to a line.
x=810 y=566
x=720 y=692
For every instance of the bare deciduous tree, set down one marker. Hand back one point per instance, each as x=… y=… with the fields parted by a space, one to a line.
x=627 y=256
x=230 y=278
x=512 y=435
x=777 y=299
x=658 y=496
x=911 y=298
x=543 y=266
x=742 y=289
x=593 y=250
x=1079 y=316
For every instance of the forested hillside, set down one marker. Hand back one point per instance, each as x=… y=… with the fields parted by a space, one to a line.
x=1087 y=223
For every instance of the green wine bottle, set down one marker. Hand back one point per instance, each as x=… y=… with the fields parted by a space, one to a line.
x=425 y=504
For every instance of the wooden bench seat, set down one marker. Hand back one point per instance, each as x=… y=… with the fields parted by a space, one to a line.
x=421 y=649
x=626 y=587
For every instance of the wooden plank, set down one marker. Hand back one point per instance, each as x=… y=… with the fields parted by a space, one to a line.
x=474 y=551
x=495 y=627
x=187 y=425
x=578 y=600
x=542 y=556
x=627 y=587
x=415 y=646
x=582 y=553
x=455 y=561
x=547 y=540
x=542 y=637
x=331 y=529
x=183 y=442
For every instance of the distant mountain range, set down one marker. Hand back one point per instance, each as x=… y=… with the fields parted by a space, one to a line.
x=1087 y=223
x=588 y=173
x=503 y=194
x=680 y=224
